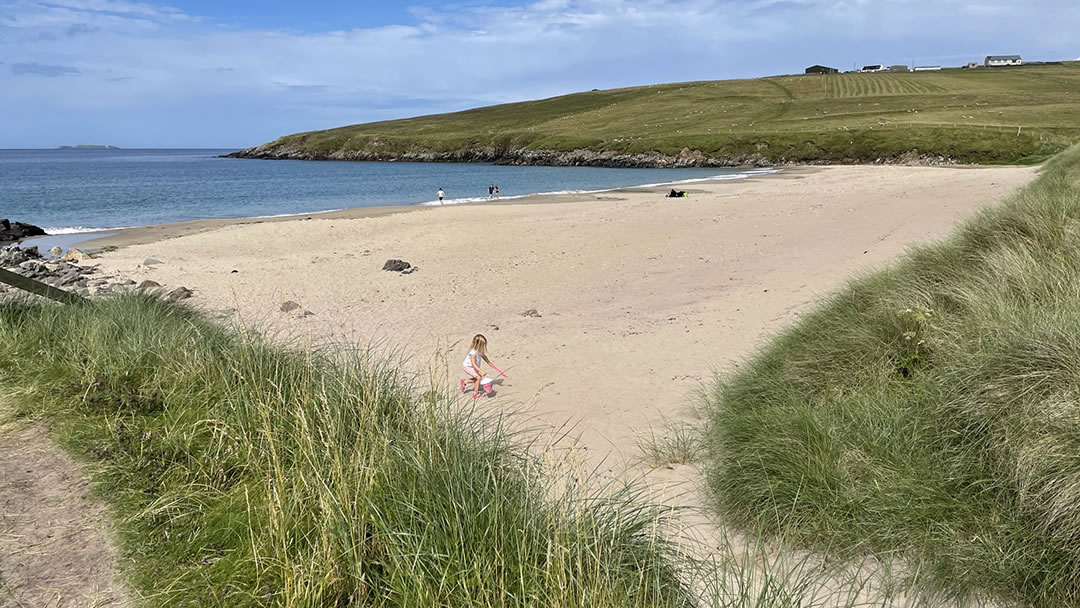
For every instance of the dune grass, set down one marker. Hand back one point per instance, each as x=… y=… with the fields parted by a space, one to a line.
x=967 y=115
x=930 y=410
x=252 y=474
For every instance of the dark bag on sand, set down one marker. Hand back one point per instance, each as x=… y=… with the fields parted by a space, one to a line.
x=676 y=193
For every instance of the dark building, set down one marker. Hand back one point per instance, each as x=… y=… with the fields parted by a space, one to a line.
x=821 y=69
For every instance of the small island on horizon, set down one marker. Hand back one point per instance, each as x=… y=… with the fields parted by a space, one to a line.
x=88 y=147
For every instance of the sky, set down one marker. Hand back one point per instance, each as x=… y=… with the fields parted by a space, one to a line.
x=237 y=73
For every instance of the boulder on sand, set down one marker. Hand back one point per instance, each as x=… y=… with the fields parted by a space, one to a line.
x=76 y=255
x=180 y=293
x=17 y=231
x=396 y=265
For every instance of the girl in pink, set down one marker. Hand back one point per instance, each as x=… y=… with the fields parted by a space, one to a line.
x=477 y=352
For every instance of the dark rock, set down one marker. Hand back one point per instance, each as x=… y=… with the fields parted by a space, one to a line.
x=234 y=271
x=17 y=231
x=410 y=270
x=180 y=293
x=289 y=306
x=13 y=256
x=396 y=265
x=148 y=284
x=532 y=312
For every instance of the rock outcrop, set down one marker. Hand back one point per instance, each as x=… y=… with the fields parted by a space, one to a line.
x=73 y=273
x=580 y=157
x=17 y=231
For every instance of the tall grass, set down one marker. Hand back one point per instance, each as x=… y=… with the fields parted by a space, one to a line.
x=931 y=409
x=253 y=474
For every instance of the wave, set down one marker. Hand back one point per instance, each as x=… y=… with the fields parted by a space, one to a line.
x=53 y=231
x=715 y=178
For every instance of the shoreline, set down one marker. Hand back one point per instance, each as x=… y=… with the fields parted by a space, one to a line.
x=117 y=238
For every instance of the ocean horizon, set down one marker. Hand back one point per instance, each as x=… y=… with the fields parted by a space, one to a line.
x=80 y=191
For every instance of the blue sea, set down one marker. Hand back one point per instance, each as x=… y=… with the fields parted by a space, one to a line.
x=76 y=191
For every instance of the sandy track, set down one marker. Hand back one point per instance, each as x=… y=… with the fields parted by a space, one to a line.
x=54 y=548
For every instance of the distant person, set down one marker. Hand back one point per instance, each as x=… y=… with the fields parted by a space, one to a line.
x=477 y=352
x=491 y=191
x=441 y=195
x=496 y=192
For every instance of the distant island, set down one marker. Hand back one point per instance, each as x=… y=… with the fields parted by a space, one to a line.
x=88 y=147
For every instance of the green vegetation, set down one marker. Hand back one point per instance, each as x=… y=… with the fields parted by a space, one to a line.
x=930 y=410
x=245 y=473
x=251 y=474
x=966 y=115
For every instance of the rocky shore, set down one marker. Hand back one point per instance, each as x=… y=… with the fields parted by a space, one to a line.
x=73 y=272
x=17 y=231
x=581 y=157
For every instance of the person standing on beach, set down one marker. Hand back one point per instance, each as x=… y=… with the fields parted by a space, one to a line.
x=491 y=191
x=440 y=196
x=496 y=192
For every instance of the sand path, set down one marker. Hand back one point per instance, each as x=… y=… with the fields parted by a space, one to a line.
x=54 y=547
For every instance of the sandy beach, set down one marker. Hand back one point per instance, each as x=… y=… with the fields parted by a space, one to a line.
x=640 y=298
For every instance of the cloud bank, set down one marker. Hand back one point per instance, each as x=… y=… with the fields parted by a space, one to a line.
x=148 y=74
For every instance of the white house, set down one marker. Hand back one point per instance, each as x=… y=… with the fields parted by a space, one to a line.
x=1000 y=60
x=927 y=68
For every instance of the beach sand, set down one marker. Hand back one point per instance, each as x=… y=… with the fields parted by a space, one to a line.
x=641 y=298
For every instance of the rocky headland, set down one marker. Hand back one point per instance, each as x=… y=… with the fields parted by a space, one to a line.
x=580 y=157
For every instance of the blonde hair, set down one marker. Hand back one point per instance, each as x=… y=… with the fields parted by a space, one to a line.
x=479 y=344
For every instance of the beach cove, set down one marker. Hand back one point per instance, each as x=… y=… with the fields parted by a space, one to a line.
x=638 y=298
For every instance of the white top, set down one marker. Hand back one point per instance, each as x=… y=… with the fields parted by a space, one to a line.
x=468 y=358
x=440 y=193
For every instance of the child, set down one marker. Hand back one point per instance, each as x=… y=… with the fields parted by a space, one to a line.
x=477 y=351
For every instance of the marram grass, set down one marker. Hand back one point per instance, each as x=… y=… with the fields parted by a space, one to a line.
x=246 y=473
x=254 y=474
x=930 y=410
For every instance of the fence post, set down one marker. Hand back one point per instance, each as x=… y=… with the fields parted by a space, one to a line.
x=39 y=288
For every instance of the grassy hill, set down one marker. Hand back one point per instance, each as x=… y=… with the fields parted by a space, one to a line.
x=961 y=115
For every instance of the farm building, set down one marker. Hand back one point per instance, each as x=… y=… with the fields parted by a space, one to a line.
x=873 y=68
x=1000 y=60
x=821 y=69
x=898 y=68
x=927 y=68
x=972 y=65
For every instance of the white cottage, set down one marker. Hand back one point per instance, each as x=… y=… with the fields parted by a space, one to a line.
x=993 y=61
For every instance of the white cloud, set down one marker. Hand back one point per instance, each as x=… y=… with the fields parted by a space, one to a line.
x=145 y=56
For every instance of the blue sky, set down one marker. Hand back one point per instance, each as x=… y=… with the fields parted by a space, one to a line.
x=236 y=73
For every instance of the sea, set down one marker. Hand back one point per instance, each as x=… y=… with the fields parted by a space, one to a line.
x=71 y=192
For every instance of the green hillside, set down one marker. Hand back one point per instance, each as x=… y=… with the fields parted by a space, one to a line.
x=962 y=115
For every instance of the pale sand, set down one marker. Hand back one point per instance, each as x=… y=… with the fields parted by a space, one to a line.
x=642 y=298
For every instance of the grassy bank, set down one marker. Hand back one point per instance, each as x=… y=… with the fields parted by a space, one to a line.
x=930 y=410
x=251 y=474
x=966 y=115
